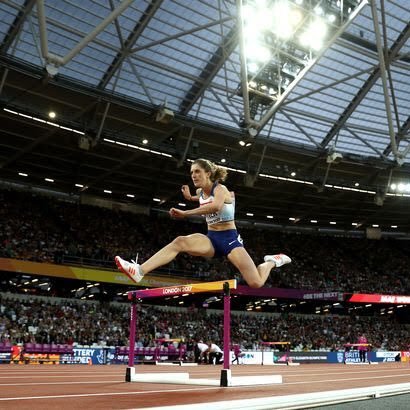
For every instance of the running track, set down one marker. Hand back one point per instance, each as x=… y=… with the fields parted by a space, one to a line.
x=73 y=387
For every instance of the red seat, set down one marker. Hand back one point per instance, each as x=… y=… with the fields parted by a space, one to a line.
x=29 y=348
x=5 y=347
x=38 y=348
x=60 y=349
x=53 y=348
x=68 y=349
x=46 y=348
x=124 y=351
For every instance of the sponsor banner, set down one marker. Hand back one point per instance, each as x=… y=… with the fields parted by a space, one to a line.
x=181 y=289
x=386 y=354
x=5 y=357
x=140 y=358
x=308 y=357
x=85 y=355
x=354 y=357
x=348 y=357
x=255 y=357
x=40 y=358
x=94 y=275
x=369 y=298
x=289 y=293
x=405 y=356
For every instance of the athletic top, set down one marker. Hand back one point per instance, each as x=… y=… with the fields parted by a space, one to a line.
x=227 y=213
x=362 y=339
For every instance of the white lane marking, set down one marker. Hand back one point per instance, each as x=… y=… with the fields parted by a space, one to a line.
x=352 y=378
x=57 y=383
x=63 y=376
x=106 y=394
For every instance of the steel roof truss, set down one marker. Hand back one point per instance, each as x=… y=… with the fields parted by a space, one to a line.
x=365 y=142
x=56 y=61
x=300 y=128
x=369 y=83
x=130 y=41
x=16 y=26
x=181 y=34
x=209 y=71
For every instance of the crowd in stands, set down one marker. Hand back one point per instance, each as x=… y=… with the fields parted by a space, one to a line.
x=44 y=229
x=41 y=320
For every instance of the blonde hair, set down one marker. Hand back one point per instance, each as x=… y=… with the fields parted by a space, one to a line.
x=218 y=173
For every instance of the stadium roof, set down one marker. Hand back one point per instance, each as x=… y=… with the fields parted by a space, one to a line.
x=117 y=73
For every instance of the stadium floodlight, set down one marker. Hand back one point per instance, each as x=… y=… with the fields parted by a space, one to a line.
x=280 y=41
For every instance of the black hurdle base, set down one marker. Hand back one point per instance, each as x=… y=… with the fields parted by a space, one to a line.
x=225 y=377
x=130 y=371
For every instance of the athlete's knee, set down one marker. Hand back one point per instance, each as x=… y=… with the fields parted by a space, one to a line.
x=255 y=283
x=180 y=243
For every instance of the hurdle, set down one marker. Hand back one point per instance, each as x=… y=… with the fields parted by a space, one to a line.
x=349 y=345
x=226 y=379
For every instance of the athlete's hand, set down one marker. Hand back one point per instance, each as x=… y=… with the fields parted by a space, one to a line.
x=186 y=192
x=177 y=213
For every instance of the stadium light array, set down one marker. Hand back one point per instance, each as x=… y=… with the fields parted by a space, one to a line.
x=400 y=187
x=280 y=40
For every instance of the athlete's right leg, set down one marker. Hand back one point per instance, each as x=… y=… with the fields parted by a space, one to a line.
x=196 y=244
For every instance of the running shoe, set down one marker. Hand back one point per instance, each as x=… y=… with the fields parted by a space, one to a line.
x=131 y=269
x=280 y=259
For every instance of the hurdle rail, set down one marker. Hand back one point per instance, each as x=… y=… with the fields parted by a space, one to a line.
x=349 y=345
x=226 y=378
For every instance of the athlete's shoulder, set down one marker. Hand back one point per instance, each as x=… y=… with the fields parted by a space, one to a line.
x=220 y=186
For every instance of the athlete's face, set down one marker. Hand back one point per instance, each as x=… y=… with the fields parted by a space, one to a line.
x=199 y=176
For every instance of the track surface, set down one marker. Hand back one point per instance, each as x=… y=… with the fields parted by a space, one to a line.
x=35 y=387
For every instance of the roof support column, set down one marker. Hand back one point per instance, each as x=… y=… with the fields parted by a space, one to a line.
x=397 y=155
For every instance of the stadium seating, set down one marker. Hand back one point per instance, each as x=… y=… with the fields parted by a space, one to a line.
x=5 y=347
x=46 y=348
x=150 y=353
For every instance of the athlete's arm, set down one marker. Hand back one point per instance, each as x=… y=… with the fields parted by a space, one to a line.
x=186 y=192
x=214 y=206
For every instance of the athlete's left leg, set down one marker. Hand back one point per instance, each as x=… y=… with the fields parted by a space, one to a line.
x=255 y=276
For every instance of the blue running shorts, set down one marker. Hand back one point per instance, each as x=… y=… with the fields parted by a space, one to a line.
x=224 y=241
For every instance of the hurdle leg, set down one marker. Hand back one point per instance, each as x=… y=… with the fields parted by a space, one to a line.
x=130 y=369
x=226 y=371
